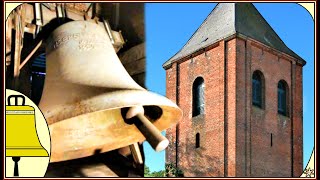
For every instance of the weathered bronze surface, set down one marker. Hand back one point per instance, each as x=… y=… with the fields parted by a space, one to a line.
x=85 y=91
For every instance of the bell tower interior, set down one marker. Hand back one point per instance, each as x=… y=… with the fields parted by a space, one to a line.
x=26 y=63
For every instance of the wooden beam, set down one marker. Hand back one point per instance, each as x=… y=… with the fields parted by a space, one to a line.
x=136 y=154
x=8 y=40
x=17 y=41
x=134 y=59
x=30 y=55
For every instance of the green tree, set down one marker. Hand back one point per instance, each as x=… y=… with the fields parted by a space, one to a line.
x=161 y=173
x=170 y=171
x=146 y=171
x=173 y=171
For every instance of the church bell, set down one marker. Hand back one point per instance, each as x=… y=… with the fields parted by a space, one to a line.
x=21 y=134
x=89 y=100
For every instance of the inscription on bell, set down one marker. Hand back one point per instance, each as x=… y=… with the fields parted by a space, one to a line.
x=64 y=39
x=85 y=43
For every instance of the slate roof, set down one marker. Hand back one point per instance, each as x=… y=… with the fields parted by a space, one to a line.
x=227 y=19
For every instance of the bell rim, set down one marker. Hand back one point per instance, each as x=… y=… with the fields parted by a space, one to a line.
x=53 y=114
x=171 y=109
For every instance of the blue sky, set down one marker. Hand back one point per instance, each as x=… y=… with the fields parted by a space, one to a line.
x=170 y=25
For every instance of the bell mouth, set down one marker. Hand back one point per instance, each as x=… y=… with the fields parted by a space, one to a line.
x=100 y=131
x=97 y=124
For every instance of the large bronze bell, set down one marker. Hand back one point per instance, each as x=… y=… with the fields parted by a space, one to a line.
x=90 y=101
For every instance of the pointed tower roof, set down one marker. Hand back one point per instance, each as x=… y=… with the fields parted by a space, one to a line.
x=228 y=19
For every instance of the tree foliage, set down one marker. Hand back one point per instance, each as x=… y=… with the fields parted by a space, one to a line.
x=170 y=171
x=173 y=171
x=148 y=173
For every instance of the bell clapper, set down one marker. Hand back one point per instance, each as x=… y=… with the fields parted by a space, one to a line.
x=16 y=167
x=157 y=141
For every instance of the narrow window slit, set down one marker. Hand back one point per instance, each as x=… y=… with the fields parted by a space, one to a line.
x=197 y=140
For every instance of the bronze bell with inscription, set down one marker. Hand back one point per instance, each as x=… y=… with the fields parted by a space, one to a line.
x=90 y=101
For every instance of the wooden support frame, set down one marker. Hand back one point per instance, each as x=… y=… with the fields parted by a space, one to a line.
x=9 y=25
x=19 y=18
x=30 y=55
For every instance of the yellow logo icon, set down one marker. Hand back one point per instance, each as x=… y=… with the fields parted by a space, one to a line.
x=22 y=139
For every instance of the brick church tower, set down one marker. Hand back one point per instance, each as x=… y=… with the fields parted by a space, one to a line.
x=240 y=89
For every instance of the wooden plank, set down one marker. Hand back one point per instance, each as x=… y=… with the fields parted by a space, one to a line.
x=22 y=23
x=136 y=153
x=30 y=55
x=8 y=39
x=135 y=63
x=38 y=13
x=136 y=66
x=134 y=53
x=140 y=79
x=30 y=28
x=109 y=164
x=17 y=42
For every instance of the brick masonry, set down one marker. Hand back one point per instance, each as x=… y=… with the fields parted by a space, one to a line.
x=235 y=136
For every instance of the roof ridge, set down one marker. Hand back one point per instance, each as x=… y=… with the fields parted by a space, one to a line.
x=279 y=38
x=202 y=24
x=227 y=19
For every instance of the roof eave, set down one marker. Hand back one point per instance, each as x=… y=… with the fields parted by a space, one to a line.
x=168 y=63
x=172 y=60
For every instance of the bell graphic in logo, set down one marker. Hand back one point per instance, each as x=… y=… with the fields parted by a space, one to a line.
x=27 y=137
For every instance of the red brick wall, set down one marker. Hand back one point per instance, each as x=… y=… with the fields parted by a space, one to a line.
x=267 y=160
x=242 y=109
x=171 y=84
x=208 y=160
x=235 y=137
x=297 y=122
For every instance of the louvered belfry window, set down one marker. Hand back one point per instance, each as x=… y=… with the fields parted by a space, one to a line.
x=257 y=89
x=282 y=97
x=198 y=101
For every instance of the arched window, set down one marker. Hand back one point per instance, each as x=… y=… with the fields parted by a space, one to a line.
x=282 y=97
x=197 y=140
x=198 y=97
x=257 y=89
